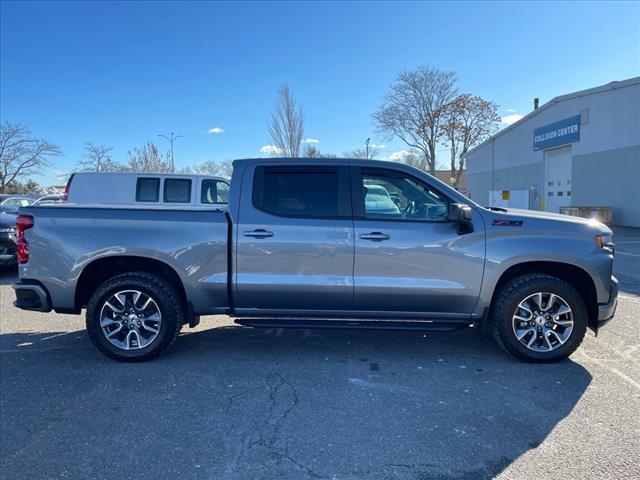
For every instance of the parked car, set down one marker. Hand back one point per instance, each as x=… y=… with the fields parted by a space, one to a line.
x=11 y=203
x=7 y=239
x=48 y=200
x=377 y=200
x=299 y=247
x=148 y=189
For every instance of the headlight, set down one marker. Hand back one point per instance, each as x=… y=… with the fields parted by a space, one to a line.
x=604 y=240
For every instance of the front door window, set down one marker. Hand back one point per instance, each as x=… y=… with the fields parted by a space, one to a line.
x=394 y=196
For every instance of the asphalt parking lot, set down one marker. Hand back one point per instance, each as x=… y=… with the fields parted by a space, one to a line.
x=236 y=403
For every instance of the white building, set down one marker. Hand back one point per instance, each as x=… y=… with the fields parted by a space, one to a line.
x=581 y=149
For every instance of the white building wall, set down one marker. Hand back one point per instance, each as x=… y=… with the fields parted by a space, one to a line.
x=606 y=159
x=614 y=122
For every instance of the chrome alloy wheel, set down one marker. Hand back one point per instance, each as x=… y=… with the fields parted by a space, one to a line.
x=543 y=322
x=130 y=319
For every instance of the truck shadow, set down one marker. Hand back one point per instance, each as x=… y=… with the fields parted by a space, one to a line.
x=272 y=403
x=8 y=274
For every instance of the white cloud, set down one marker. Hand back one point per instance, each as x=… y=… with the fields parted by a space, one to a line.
x=399 y=155
x=313 y=141
x=510 y=119
x=511 y=110
x=271 y=150
x=381 y=145
x=216 y=130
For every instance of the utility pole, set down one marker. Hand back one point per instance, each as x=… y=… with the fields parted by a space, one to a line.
x=366 y=148
x=172 y=138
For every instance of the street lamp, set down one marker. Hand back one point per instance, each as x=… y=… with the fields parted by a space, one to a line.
x=173 y=137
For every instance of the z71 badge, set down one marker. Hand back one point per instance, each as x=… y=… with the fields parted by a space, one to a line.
x=507 y=223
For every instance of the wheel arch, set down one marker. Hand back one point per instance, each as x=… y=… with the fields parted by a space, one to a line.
x=101 y=269
x=575 y=276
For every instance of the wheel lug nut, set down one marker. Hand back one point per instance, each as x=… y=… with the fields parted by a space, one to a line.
x=139 y=323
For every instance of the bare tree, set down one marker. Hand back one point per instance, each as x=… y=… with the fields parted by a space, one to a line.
x=311 y=151
x=149 y=159
x=226 y=168
x=286 y=125
x=210 y=167
x=470 y=120
x=366 y=153
x=413 y=110
x=21 y=154
x=97 y=158
x=413 y=158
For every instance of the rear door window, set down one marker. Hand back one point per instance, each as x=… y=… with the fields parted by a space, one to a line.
x=147 y=189
x=214 y=191
x=312 y=192
x=177 y=190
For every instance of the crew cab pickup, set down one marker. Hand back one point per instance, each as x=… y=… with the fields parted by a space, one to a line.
x=320 y=243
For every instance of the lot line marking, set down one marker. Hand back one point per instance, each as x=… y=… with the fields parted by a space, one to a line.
x=586 y=357
x=629 y=254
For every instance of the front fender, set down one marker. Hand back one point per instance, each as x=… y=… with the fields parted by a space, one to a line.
x=507 y=249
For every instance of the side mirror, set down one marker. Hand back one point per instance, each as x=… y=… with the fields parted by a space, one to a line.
x=461 y=214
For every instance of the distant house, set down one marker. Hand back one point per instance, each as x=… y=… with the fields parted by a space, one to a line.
x=52 y=190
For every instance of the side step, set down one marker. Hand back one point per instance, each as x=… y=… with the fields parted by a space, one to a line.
x=447 y=326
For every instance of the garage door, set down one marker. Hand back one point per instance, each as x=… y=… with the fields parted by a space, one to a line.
x=557 y=169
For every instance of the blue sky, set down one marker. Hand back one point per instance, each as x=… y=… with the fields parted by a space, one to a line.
x=120 y=73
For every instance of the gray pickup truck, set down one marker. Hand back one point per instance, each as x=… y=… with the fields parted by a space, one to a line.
x=320 y=243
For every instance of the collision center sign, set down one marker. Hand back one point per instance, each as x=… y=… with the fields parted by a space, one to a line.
x=558 y=133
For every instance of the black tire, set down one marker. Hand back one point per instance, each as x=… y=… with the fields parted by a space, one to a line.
x=165 y=296
x=516 y=290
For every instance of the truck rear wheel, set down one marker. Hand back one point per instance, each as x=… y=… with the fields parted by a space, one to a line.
x=539 y=318
x=134 y=316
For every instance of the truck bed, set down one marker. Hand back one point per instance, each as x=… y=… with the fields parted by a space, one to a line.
x=67 y=240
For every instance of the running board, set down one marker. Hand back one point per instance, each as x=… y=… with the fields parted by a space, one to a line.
x=447 y=326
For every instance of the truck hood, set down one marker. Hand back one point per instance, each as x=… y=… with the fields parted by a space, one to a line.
x=520 y=214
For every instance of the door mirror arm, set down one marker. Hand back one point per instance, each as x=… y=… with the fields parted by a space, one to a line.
x=461 y=214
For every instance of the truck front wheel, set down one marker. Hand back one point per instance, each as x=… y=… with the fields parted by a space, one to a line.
x=539 y=318
x=134 y=316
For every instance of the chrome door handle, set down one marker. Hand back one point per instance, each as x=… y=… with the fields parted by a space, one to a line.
x=259 y=233
x=375 y=236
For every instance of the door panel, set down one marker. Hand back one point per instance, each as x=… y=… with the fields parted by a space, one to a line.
x=287 y=261
x=412 y=260
x=422 y=267
x=558 y=178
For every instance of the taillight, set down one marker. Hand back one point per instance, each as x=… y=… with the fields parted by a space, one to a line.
x=23 y=222
x=66 y=189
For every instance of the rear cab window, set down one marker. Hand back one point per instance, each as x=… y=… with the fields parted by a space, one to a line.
x=309 y=192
